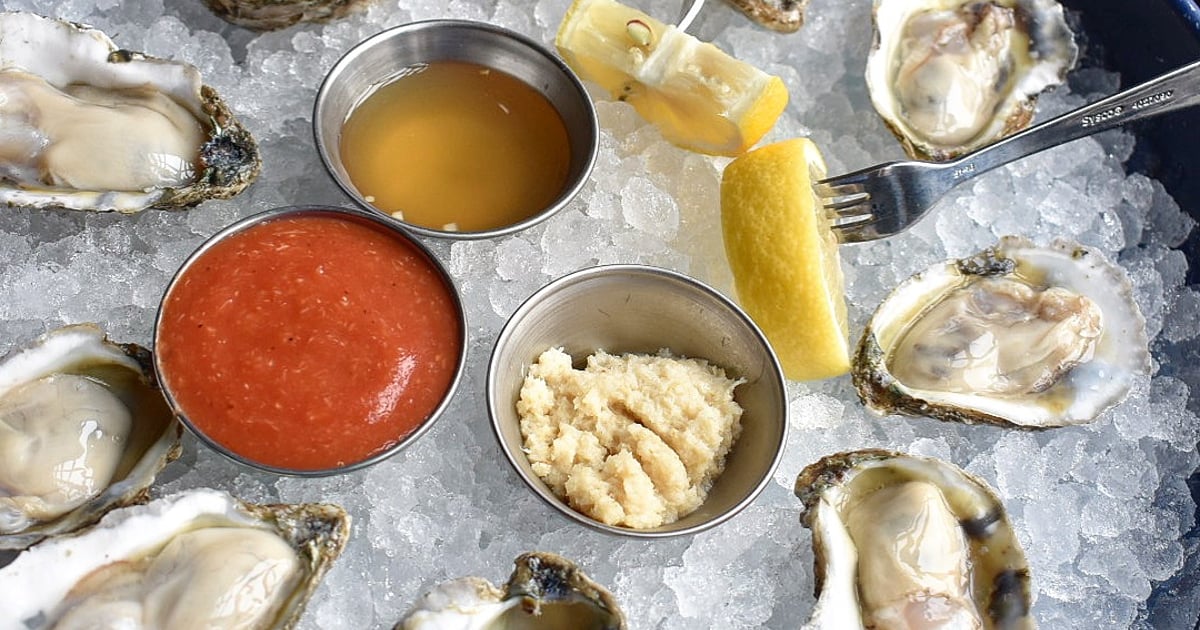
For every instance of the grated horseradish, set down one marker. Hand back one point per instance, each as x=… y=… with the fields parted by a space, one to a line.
x=631 y=440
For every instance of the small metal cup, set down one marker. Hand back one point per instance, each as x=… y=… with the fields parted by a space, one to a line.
x=391 y=54
x=344 y=214
x=636 y=308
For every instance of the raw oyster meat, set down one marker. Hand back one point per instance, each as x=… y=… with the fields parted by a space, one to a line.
x=545 y=591
x=269 y=15
x=1017 y=335
x=88 y=126
x=951 y=76
x=910 y=542
x=198 y=559
x=83 y=429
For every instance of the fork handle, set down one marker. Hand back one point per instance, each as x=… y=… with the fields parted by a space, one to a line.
x=1174 y=90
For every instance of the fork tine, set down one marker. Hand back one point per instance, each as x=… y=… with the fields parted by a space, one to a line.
x=884 y=199
x=837 y=188
x=850 y=219
x=847 y=206
x=857 y=232
x=846 y=237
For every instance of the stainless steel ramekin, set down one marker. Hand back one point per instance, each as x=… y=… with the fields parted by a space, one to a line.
x=636 y=308
x=352 y=215
x=391 y=54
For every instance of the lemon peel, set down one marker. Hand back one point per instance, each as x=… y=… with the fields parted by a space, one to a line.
x=784 y=257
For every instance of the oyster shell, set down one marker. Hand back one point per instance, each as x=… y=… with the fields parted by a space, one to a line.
x=269 y=15
x=951 y=76
x=1017 y=335
x=900 y=538
x=169 y=564
x=544 y=591
x=88 y=126
x=83 y=429
x=784 y=16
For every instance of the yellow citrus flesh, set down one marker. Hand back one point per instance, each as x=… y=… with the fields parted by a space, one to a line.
x=784 y=257
x=701 y=98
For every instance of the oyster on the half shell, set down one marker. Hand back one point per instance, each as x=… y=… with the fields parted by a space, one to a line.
x=83 y=429
x=88 y=126
x=910 y=542
x=1018 y=335
x=545 y=592
x=951 y=76
x=198 y=559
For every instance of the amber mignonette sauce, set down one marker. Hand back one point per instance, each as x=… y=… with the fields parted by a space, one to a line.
x=457 y=146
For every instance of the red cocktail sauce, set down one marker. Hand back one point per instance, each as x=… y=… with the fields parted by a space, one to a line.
x=309 y=342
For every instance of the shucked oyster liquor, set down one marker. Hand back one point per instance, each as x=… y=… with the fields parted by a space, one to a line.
x=199 y=559
x=87 y=126
x=545 y=592
x=83 y=429
x=910 y=542
x=1017 y=335
x=951 y=76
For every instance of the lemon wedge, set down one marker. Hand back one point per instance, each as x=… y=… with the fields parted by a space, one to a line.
x=784 y=257
x=698 y=96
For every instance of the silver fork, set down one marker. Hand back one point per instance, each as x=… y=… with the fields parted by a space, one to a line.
x=886 y=199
